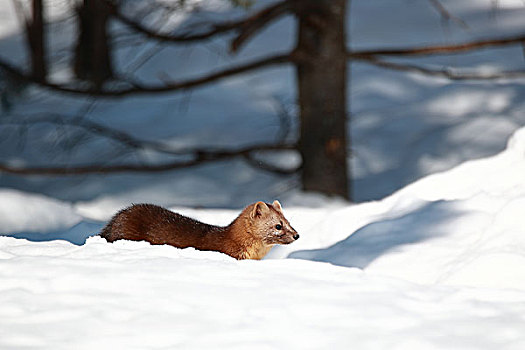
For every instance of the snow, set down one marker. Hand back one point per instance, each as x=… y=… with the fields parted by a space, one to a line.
x=439 y=264
x=459 y=227
x=32 y=212
x=433 y=257
x=130 y=295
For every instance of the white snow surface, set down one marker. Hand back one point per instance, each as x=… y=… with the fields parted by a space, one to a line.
x=34 y=213
x=438 y=265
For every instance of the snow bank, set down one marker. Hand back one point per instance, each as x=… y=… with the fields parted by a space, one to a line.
x=26 y=212
x=437 y=265
x=461 y=227
x=132 y=295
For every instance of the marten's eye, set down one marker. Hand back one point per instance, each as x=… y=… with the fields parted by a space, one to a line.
x=279 y=227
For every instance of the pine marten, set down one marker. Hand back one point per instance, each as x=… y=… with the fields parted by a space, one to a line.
x=250 y=236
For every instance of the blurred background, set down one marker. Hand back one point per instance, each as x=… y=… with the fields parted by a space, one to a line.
x=220 y=103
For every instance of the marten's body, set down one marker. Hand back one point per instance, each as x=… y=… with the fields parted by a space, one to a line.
x=250 y=236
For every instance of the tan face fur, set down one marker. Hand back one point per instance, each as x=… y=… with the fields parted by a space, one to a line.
x=271 y=225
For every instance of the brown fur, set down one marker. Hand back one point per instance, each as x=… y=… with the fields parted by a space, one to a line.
x=250 y=236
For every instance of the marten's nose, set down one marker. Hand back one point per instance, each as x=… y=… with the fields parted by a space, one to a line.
x=296 y=236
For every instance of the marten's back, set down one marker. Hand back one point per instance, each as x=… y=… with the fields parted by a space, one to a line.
x=157 y=225
x=250 y=236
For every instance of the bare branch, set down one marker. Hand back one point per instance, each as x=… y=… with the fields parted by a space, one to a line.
x=444 y=73
x=201 y=156
x=439 y=49
x=371 y=56
x=256 y=22
x=285 y=120
x=94 y=128
x=446 y=15
x=269 y=13
x=134 y=88
x=257 y=163
x=139 y=88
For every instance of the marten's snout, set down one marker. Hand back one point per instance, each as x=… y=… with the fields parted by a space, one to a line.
x=282 y=235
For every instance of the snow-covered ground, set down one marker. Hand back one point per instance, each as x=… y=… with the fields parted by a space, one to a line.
x=438 y=265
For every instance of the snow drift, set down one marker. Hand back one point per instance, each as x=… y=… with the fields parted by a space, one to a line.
x=437 y=265
x=464 y=226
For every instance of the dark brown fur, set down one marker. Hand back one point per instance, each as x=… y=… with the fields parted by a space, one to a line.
x=250 y=236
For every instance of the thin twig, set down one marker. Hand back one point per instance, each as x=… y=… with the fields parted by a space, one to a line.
x=139 y=88
x=444 y=73
x=200 y=157
x=439 y=49
x=134 y=87
x=285 y=120
x=257 y=163
x=94 y=128
x=217 y=28
x=258 y=21
x=446 y=15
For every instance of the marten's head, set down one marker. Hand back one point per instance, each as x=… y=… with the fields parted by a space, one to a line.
x=270 y=225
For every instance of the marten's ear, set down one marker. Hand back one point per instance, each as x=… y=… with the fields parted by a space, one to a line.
x=259 y=209
x=277 y=205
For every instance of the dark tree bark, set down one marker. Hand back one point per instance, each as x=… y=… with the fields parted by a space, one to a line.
x=35 y=39
x=321 y=74
x=93 y=51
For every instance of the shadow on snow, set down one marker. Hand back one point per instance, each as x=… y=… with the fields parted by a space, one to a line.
x=370 y=242
x=76 y=234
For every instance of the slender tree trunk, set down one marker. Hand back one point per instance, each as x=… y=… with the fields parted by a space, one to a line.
x=93 y=51
x=321 y=75
x=35 y=38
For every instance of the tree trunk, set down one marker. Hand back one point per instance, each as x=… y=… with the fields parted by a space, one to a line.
x=321 y=74
x=35 y=40
x=93 y=51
